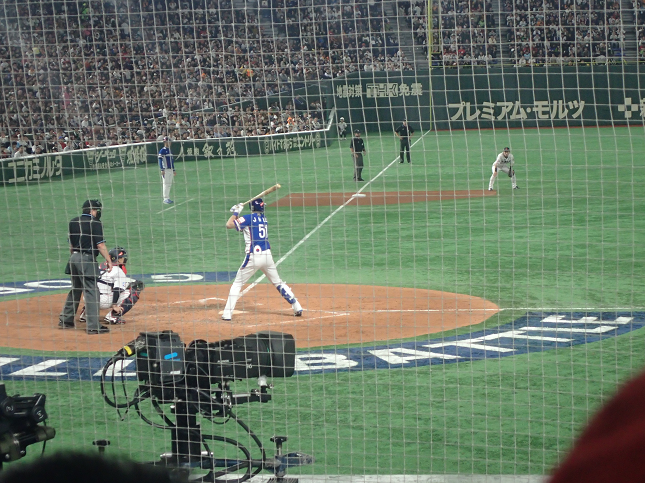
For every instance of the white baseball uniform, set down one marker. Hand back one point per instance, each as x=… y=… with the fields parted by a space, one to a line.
x=258 y=257
x=504 y=164
x=110 y=280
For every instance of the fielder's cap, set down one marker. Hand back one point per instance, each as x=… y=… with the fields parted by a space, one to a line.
x=357 y=131
x=92 y=204
x=342 y=118
x=166 y=138
x=507 y=148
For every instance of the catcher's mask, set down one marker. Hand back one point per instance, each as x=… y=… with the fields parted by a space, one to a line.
x=117 y=253
x=257 y=205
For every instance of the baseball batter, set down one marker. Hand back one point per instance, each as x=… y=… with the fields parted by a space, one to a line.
x=258 y=256
x=117 y=292
x=167 y=167
x=504 y=162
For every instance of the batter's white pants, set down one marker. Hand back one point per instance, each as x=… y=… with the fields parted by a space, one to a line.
x=496 y=172
x=252 y=263
x=106 y=299
x=167 y=178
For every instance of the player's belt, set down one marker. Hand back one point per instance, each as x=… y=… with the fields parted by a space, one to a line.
x=111 y=285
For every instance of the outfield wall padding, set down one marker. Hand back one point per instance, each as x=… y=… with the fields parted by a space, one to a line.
x=34 y=169
x=493 y=97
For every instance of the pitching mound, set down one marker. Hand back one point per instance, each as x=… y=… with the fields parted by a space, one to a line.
x=334 y=314
x=377 y=198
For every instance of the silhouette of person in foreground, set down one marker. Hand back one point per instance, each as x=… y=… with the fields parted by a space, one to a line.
x=610 y=449
x=77 y=467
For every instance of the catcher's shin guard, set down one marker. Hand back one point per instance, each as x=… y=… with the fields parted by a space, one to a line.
x=286 y=293
x=135 y=293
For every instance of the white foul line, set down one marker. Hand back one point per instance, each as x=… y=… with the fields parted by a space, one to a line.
x=296 y=320
x=174 y=206
x=306 y=237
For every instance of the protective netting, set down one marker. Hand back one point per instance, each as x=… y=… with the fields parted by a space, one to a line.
x=453 y=313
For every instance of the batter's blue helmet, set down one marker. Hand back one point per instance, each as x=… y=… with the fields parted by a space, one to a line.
x=257 y=205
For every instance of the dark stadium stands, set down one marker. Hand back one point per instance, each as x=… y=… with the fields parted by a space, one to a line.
x=104 y=72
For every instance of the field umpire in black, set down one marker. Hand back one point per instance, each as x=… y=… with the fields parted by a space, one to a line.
x=358 y=148
x=404 y=132
x=85 y=243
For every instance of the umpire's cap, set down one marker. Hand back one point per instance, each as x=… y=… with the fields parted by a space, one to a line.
x=92 y=205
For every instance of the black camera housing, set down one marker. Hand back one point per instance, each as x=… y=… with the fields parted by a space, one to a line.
x=169 y=368
x=20 y=418
x=270 y=354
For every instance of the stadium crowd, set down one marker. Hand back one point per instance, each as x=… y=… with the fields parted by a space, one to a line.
x=639 y=14
x=121 y=71
x=563 y=31
x=536 y=31
x=468 y=33
x=103 y=72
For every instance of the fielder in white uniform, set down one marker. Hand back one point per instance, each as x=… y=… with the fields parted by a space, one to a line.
x=167 y=167
x=258 y=256
x=504 y=162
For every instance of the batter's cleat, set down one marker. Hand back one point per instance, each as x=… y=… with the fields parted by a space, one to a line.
x=112 y=318
x=516 y=187
x=490 y=189
x=360 y=179
x=168 y=201
x=82 y=317
x=101 y=330
x=297 y=309
x=224 y=317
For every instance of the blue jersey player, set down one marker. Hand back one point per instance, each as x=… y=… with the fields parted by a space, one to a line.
x=167 y=167
x=258 y=256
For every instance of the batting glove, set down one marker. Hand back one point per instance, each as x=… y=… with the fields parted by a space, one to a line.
x=237 y=209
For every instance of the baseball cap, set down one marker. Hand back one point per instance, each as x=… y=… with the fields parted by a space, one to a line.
x=507 y=148
x=166 y=138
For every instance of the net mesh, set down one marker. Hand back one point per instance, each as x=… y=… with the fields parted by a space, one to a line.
x=461 y=313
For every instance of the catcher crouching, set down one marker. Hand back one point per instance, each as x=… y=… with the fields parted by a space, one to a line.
x=117 y=292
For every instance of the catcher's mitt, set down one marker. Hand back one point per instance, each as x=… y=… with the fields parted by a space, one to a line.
x=510 y=172
x=137 y=286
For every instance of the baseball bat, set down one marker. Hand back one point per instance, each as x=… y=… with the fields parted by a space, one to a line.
x=265 y=192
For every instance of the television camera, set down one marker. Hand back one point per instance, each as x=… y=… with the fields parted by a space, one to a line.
x=20 y=418
x=196 y=379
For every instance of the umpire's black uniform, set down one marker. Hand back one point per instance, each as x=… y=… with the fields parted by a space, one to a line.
x=358 y=148
x=405 y=133
x=85 y=235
